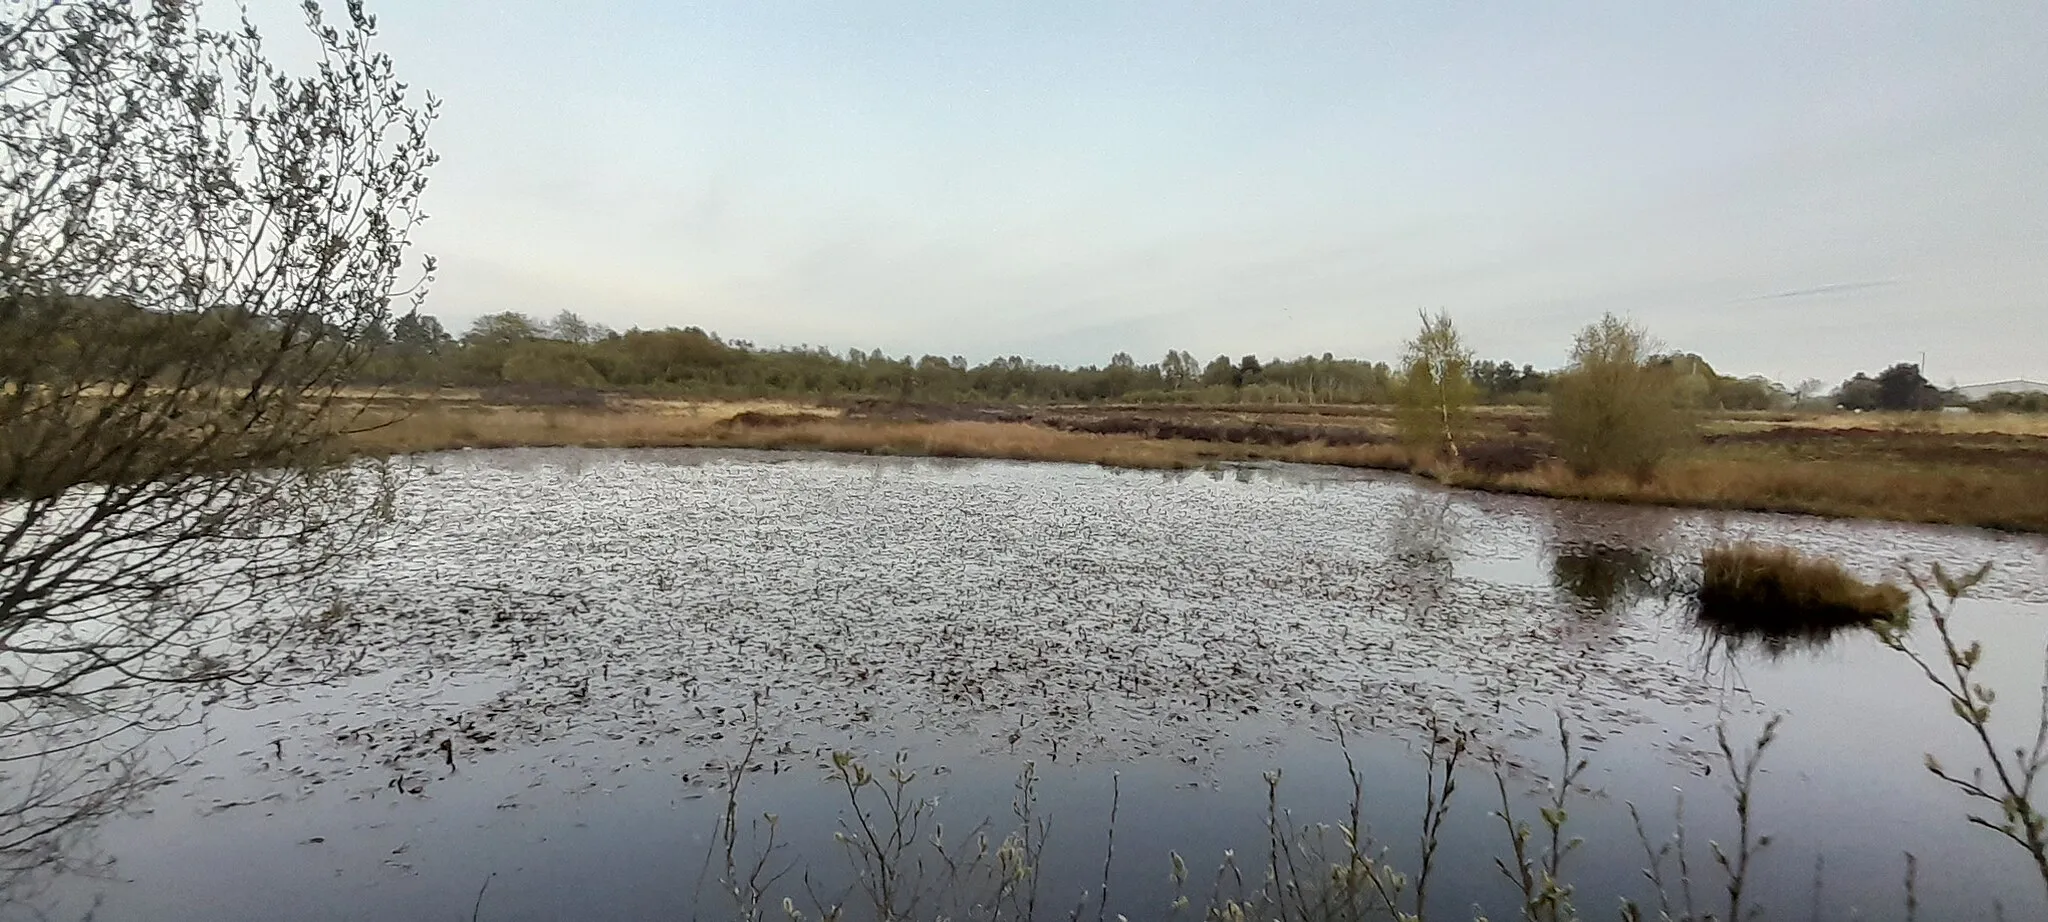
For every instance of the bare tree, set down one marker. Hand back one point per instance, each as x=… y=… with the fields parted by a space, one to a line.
x=197 y=251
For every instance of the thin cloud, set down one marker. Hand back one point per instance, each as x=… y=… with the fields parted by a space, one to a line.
x=1836 y=288
x=1232 y=181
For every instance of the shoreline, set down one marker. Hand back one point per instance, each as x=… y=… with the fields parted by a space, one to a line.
x=2006 y=500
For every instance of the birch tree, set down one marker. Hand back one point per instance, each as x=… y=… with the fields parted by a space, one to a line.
x=1436 y=392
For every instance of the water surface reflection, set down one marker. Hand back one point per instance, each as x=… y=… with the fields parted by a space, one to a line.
x=571 y=650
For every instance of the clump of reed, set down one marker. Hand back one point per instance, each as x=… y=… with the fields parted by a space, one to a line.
x=1769 y=589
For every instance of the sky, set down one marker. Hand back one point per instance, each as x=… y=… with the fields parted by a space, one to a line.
x=1790 y=189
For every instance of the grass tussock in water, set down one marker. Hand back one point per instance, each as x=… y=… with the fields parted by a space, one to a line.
x=1770 y=589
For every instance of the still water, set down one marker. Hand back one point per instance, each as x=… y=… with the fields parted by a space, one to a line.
x=570 y=653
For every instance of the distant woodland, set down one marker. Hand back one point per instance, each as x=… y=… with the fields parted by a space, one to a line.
x=567 y=352
x=513 y=350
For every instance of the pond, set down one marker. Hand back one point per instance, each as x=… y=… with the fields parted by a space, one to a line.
x=569 y=654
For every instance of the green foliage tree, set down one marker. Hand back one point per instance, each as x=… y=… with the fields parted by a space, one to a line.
x=503 y=329
x=550 y=363
x=569 y=328
x=1616 y=409
x=1179 y=370
x=415 y=354
x=940 y=379
x=1751 y=393
x=1902 y=387
x=691 y=360
x=2012 y=402
x=1859 y=393
x=420 y=334
x=1697 y=383
x=1249 y=371
x=1220 y=372
x=1502 y=382
x=1436 y=393
x=1120 y=378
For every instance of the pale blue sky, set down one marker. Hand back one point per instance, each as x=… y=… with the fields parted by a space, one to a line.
x=1790 y=189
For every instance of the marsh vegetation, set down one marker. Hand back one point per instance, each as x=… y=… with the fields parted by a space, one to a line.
x=1746 y=586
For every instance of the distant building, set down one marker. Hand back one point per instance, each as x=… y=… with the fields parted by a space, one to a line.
x=2014 y=386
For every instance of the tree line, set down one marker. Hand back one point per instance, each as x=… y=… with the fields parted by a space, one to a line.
x=567 y=351
x=414 y=350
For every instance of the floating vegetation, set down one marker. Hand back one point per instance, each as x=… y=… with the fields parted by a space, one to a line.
x=605 y=641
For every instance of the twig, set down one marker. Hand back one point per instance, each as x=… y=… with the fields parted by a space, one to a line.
x=1109 y=847
x=476 y=911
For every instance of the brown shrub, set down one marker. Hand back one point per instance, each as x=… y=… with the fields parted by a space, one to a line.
x=1615 y=410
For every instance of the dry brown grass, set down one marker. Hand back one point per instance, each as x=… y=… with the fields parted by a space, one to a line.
x=1753 y=587
x=717 y=409
x=2014 y=500
x=439 y=427
x=2008 y=496
x=960 y=439
x=1376 y=457
x=1946 y=423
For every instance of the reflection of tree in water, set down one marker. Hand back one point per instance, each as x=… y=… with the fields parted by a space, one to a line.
x=1606 y=577
x=1610 y=558
x=1610 y=579
x=1421 y=542
x=68 y=762
x=53 y=791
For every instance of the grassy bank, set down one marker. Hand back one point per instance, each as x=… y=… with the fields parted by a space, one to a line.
x=444 y=425
x=1887 y=470
x=2004 y=500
